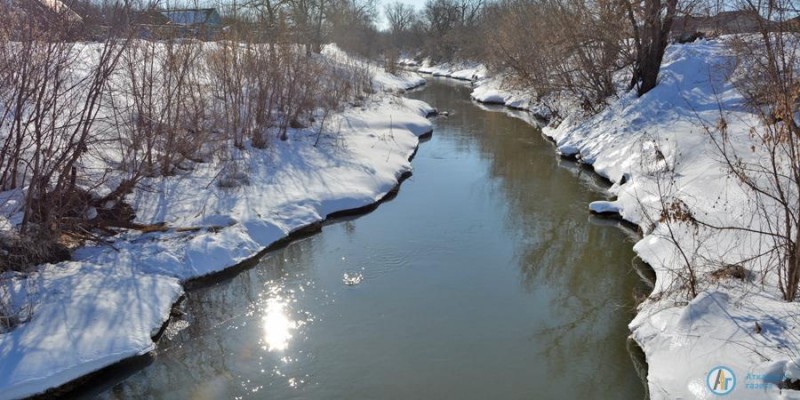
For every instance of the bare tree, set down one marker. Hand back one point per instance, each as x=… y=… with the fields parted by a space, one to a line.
x=574 y=49
x=50 y=108
x=450 y=26
x=400 y=16
x=352 y=26
x=304 y=15
x=269 y=13
x=159 y=107
x=651 y=22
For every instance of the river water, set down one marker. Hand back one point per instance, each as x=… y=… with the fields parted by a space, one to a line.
x=485 y=278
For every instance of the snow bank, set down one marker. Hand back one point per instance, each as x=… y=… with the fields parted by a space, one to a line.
x=739 y=324
x=407 y=62
x=105 y=305
x=605 y=207
x=490 y=89
x=381 y=80
x=404 y=80
x=86 y=316
x=493 y=90
x=489 y=95
x=466 y=71
x=290 y=186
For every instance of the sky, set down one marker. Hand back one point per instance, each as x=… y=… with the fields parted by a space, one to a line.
x=381 y=4
x=382 y=24
x=416 y=3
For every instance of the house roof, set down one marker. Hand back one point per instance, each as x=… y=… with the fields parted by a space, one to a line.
x=191 y=16
x=53 y=8
x=725 y=22
x=150 y=17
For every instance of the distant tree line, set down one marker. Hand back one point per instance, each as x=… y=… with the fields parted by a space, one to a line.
x=546 y=45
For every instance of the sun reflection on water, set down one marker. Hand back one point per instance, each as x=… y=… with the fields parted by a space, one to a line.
x=282 y=323
x=278 y=326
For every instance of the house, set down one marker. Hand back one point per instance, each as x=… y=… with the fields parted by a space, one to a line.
x=724 y=23
x=195 y=22
x=52 y=16
x=794 y=24
x=47 y=11
x=58 y=8
x=196 y=17
x=149 y=17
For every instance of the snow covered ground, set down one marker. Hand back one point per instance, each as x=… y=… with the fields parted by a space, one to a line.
x=656 y=146
x=467 y=71
x=494 y=90
x=490 y=89
x=381 y=80
x=106 y=304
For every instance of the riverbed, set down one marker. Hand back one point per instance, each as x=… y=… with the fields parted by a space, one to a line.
x=485 y=277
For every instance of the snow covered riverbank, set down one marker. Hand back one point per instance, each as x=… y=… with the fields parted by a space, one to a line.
x=106 y=304
x=460 y=71
x=488 y=89
x=658 y=147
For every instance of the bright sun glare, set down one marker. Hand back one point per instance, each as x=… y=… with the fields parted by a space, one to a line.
x=277 y=325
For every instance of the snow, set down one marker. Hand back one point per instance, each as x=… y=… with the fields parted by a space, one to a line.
x=466 y=71
x=489 y=89
x=106 y=304
x=407 y=62
x=292 y=185
x=605 y=207
x=568 y=150
x=633 y=142
x=488 y=95
x=10 y=209
x=403 y=81
x=86 y=316
x=655 y=146
x=381 y=80
x=495 y=90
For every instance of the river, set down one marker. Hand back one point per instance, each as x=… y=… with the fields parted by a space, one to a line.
x=485 y=278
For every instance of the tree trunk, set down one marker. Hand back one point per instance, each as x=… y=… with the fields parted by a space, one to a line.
x=652 y=43
x=793 y=273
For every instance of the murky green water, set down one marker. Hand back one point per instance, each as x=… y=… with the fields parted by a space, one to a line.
x=485 y=278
